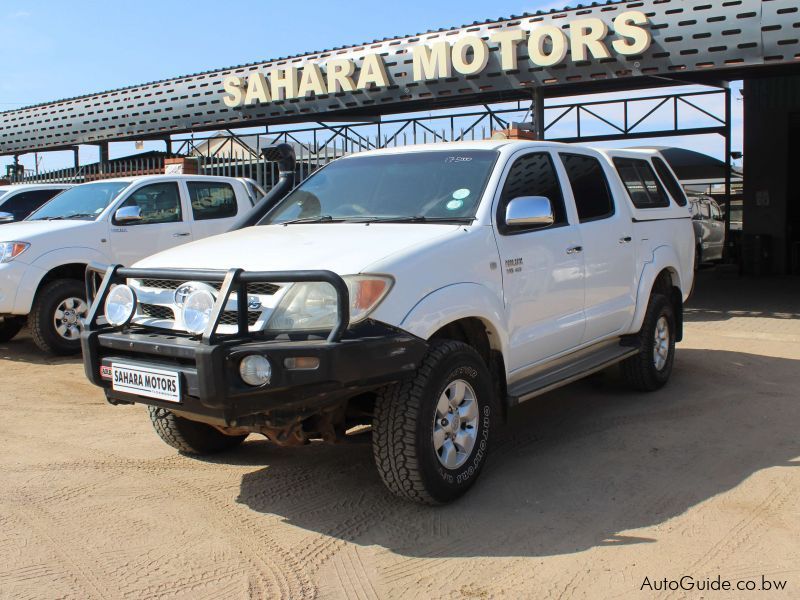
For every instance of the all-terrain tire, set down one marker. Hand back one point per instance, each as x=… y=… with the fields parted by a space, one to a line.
x=190 y=437
x=41 y=319
x=642 y=371
x=403 y=425
x=9 y=327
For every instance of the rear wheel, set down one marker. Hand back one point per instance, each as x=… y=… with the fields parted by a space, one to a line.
x=430 y=434
x=9 y=327
x=56 y=315
x=190 y=437
x=651 y=367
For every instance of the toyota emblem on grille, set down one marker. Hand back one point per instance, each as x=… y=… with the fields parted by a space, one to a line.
x=183 y=292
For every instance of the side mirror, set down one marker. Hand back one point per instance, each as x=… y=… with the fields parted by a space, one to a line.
x=6 y=217
x=128 y=214
x=531 y=211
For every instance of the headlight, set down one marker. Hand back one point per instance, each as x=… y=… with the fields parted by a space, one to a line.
x=197 y=310
x=255 y=370
x=120 y=305
x=313 y=305
x=11 y=250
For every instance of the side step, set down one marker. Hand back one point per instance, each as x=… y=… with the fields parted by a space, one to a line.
x=570 y=368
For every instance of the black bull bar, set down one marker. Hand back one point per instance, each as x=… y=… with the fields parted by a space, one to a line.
x=233 y=281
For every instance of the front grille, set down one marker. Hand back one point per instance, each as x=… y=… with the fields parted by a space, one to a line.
x=266 y=289
x=156 y=311
x=230 y=318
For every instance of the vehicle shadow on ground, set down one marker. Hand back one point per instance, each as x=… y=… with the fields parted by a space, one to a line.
x=574 y=469
x=22 y=349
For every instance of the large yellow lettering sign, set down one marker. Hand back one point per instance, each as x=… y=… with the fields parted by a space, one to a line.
x=547 y=44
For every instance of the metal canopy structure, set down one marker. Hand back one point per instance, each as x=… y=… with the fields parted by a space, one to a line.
x=700 y=41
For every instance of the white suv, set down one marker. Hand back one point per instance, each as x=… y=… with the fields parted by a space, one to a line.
x=419 y=293
x=43 y=258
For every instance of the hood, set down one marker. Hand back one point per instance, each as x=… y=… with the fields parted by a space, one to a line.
x=24 y=231
x=344 y=248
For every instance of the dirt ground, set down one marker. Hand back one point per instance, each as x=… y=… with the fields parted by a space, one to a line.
x=589 y=490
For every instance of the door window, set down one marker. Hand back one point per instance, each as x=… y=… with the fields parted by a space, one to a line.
x=716 y=213
x=531 y=175
x=643 y=187
x=589 y=187
x=22 y=204
x=158 y=203
x=673 y=186
x=211 y=200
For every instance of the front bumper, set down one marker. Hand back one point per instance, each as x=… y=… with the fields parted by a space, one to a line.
x=209 y=374
x=18 y=282
x=350 y=360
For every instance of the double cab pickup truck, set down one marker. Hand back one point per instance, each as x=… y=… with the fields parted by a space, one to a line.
x=44 y=257
x=415 y=295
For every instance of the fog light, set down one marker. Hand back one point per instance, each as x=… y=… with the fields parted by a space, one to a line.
x=120 y=305
x=301 y=363
x=255 y=370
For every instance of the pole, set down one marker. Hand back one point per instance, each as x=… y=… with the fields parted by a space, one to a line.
x=537 y=113
x=728 y=167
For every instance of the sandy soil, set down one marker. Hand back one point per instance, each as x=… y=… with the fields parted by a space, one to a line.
x=590 y=489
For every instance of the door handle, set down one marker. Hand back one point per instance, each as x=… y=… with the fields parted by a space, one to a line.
x=181 y=234
x=625 y=239
x=574 y=249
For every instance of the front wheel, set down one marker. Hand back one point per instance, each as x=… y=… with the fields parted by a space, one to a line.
x=56 y=316
x=651 y=367
x=9 y=327
x=190 y=437
x=430 y=434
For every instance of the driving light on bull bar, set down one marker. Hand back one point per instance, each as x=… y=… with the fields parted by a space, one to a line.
x=196 y=311
x=255 y=370
x=120 y=305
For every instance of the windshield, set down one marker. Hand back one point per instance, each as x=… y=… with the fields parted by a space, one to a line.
x=415 y=186
x=84 y=202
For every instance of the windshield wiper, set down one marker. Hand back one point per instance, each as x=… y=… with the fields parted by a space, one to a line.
x=79 y=216
x=413 y=219
x=316 y=219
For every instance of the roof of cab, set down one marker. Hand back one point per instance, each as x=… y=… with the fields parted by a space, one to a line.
x=157 y=178
x=468 y=145
x=34 y=186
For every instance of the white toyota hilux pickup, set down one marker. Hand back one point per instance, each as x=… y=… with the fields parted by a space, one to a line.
x=44 y=257
x=414 y=294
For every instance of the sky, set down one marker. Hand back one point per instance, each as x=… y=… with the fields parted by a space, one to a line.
x=54 y=49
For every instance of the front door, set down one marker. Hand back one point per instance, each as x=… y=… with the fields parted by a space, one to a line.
x=164 y=223
x=543 y=278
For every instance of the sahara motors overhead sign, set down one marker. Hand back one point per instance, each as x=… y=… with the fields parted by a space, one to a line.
x=547 y=45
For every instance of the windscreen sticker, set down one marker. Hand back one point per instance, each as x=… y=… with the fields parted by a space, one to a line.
x=461 y=194
x=455 y=204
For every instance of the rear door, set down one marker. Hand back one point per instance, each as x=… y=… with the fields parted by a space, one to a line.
x=607 y=233
x=213 y=206
x=542 y=266
x=164 y=224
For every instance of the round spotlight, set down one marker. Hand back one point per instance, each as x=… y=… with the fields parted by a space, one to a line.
x=120 y=305
x=197 y=311
x=255 y=370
